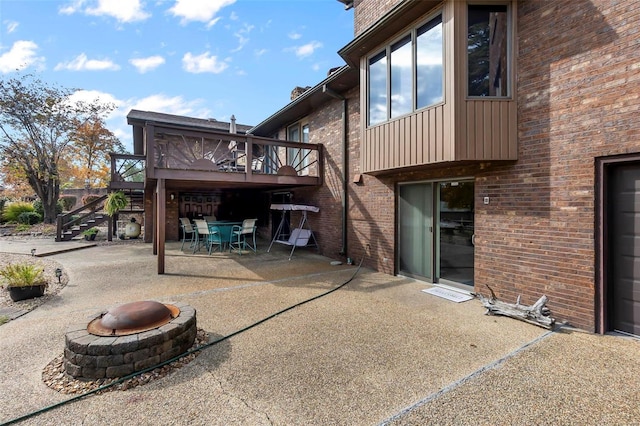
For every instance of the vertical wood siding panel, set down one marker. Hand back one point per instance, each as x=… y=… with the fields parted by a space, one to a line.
x=407 y=140
x=372 y=151
x=447 y=149
x=400 y=159
x=406 y=125
x=366 y=159
x=376 y=150
x=433 y=143
x=364 y=150
x=486 y=119
x=392 y=145
x=497 y=138
x=469 y=140
x=504 y=129
x=489 y=132
x=479 y=129
x=513 y=130
x=415 y=140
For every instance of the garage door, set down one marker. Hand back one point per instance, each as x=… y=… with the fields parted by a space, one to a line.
x=624 y=245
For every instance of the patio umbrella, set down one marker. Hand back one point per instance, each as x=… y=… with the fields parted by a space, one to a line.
x=232 y=129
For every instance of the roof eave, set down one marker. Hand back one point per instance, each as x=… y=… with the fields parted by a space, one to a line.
x=384 y=28
x=339 y=81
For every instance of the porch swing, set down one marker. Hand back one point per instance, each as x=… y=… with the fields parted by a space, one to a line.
x=300 y=236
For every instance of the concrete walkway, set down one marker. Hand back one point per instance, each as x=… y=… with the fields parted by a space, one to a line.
x=377 y=351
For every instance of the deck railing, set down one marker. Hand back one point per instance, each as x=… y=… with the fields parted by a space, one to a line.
x=127 y=171
x=185 y=149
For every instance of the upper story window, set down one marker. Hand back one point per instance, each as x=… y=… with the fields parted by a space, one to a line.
x=487 y=44
x=407 y=75
x=299 y=158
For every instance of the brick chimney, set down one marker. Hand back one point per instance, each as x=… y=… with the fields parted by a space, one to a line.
x=297 y=91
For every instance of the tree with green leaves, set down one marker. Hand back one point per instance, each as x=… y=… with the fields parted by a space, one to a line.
x=38 y=123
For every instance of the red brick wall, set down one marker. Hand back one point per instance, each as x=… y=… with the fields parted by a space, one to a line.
x=171 y=216
x=367 y=12
x=325 y=127
x=578 y=99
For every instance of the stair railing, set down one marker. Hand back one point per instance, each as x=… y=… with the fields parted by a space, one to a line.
x=73 y=218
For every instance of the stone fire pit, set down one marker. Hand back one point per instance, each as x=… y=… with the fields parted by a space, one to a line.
x=129 y=338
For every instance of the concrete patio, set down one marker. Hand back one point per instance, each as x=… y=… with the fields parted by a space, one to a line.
x=376 y=351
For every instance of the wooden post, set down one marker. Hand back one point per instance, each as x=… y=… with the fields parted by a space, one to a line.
x=160 y=223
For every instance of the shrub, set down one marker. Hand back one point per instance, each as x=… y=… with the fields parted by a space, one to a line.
x=13 y=210
x=29 y=218
x=22 y=275
x=86 y=199
x=23 y=227
x=38 y=207
x=68 y=202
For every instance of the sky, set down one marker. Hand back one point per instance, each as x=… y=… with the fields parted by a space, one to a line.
x=196 y=58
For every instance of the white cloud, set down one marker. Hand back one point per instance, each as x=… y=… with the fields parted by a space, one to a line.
x=91 y=96
x=82 y=63
x=160 y=102
x=169 y=105
x=147 y=64
x=71 y=8
x=199 y=10
x=294 y=35
x=306 y=49
x=260 y=52
x=11 y=26
x=116 y=121
x=243 y=37
x=203 y=63
x=234 y=16
x=123 y=11
x=22 y=55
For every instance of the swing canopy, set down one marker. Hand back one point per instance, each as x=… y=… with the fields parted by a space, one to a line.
x=300 y=236
x=295 y=207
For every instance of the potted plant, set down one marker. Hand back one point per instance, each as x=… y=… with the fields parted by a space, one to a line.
x=90 y=234
x=24 y=280
x=115 y=202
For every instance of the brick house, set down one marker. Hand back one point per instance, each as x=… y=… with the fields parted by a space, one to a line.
x=488 y=143
x=480 y=143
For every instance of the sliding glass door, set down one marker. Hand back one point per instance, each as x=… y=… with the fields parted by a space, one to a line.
x=415 y=212
x=435 y=231
x=456 y=211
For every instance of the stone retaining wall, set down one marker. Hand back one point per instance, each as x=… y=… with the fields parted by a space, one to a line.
x=88 y=356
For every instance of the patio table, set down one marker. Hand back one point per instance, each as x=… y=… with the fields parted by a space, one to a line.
x=223 y=227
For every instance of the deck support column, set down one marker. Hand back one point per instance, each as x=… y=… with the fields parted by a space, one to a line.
x=160 y=223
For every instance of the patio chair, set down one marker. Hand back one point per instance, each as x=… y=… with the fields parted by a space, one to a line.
x=238 y=238
x=187 y=231
x=256 y=164
x=207 y=236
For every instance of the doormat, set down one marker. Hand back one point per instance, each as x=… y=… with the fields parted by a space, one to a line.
x=454 y=296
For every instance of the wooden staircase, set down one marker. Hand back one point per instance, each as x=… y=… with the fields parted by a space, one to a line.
x=73 y=223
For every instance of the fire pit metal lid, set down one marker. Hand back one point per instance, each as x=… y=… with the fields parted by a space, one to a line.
x=132 y=318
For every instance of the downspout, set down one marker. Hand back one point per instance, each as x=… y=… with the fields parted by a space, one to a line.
x=345 y=163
